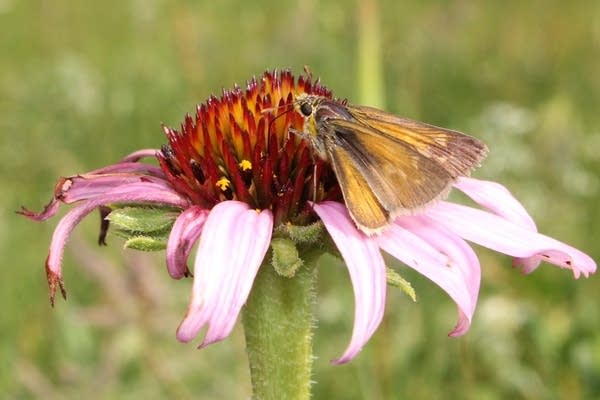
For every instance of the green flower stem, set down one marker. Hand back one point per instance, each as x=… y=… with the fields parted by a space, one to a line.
x=278 y=321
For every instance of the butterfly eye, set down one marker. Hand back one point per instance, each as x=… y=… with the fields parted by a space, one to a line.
x=306 y=109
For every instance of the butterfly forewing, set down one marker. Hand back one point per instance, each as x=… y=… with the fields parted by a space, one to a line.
x=364 y=207
x=458 y=153
x=400 y=177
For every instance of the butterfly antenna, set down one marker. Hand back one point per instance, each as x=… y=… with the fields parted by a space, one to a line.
x=314 y=182
x=273 y=109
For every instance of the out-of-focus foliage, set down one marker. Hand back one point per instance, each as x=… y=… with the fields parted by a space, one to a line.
x=84 y=83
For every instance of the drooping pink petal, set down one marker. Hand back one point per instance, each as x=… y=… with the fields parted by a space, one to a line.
x=527 y=264
x=129 y=167
x=500 y=201
x=501 y=235
x=462 y=260
x=60 y=188
x=232 y=247
x=186 y=230
x=441 y=266
x=82 y=187
x=133 y=193
x=139 y=154
x=49 y=211
x=497 y=199
x=367 y=272
x=130 y=163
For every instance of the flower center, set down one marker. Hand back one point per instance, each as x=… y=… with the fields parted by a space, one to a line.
x=241 y=146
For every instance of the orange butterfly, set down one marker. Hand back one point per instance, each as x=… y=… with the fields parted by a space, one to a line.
x=385 y=165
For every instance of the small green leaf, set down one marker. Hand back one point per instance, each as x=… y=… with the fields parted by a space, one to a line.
x=286 y=260
x=143 y=219
x=145 y=243
x=308 y=234
x=394 y=279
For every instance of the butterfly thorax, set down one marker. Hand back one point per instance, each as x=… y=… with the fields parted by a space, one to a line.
x=317 y=111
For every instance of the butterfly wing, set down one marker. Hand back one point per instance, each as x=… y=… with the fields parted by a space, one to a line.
x=389 y=166
x=456 y=152
x=364 y=206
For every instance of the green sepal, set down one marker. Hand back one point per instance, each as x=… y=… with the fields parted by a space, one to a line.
x=308 y=234
x=143 y=228
x=394 y=279
x=143 y=219
x=146 y=243
x=285 y=257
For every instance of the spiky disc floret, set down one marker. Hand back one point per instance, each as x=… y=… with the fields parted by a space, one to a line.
x=240 y=147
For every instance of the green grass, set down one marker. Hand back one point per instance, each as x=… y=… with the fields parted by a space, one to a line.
x=84 y=83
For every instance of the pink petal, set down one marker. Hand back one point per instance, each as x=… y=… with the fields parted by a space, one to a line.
x=367 y=272
x=461 y=256
x=129 y=167
x=133 y=193
x=497 y=199
x=223 y=274
x=60 y=188
x=49 y=211
x=185 y=232
x=139 y=154
x=497 y=233
x=450 y=262
x=83 y=187
x=500 y=201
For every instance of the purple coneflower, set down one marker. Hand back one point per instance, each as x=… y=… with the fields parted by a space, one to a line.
x=234 y=176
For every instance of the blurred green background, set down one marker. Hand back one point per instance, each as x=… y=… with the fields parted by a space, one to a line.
x=84 y=83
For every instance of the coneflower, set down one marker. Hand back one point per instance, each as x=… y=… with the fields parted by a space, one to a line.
x=234 y=179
